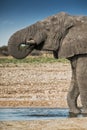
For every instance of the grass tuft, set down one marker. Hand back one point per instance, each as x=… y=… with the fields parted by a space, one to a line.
x=31 y=60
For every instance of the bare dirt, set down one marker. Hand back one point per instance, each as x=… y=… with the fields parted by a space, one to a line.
x=41 y=85
x=37 y=85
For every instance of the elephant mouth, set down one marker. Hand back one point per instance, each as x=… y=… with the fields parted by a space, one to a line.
x=33 y=45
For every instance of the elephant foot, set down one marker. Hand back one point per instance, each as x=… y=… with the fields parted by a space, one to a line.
x=75 y=111
x=84 y=111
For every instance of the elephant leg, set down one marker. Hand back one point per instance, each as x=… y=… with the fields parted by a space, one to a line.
x=82 y=80
x=74 y=90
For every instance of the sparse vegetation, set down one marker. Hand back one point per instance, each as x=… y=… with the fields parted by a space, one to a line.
x=4 y=51
x=35 y=57
x=5 y=48
x=31 y=60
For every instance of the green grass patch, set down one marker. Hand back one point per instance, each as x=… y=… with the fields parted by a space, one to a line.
x=32 y=60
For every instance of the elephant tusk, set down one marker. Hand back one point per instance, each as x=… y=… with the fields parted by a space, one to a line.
x=30 y=42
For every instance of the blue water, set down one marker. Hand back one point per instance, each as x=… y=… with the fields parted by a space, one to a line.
x=12 y=114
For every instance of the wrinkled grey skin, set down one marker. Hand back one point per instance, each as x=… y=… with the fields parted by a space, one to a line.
x=66 y=36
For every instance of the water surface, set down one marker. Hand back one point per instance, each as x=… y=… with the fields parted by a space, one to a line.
x=12 y=114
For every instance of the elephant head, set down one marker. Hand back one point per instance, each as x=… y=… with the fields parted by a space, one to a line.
x=48 y=34
x=24 y=41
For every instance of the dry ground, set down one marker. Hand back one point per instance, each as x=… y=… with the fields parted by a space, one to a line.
x=41 y=85
x=62 y=124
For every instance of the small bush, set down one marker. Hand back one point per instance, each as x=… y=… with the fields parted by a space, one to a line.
x=4 y=51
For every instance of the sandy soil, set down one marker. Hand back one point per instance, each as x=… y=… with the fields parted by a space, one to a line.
x=34 y=85
x=62 y=124
x=37 y=85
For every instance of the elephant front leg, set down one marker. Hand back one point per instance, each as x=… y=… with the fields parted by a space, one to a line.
x=82 y=81
x=74 y=90
x=72 y=98
x=84 y=102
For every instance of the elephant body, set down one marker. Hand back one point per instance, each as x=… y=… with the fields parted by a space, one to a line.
x=66 y=36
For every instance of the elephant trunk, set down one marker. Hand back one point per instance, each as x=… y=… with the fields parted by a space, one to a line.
x=20 y=50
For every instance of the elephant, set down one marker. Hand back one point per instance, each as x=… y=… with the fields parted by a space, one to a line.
x=66 y=36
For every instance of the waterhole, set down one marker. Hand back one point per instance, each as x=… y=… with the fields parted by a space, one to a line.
x=7 y=114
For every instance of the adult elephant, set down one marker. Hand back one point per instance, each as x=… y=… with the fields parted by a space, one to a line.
x=66 y=36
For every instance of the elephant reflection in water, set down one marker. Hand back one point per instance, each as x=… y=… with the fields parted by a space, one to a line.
x=66 y=37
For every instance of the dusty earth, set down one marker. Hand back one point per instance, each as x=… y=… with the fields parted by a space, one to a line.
x=37 y=85
x=42 y=85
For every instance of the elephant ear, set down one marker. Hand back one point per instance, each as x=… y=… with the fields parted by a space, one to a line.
x=75 y=42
